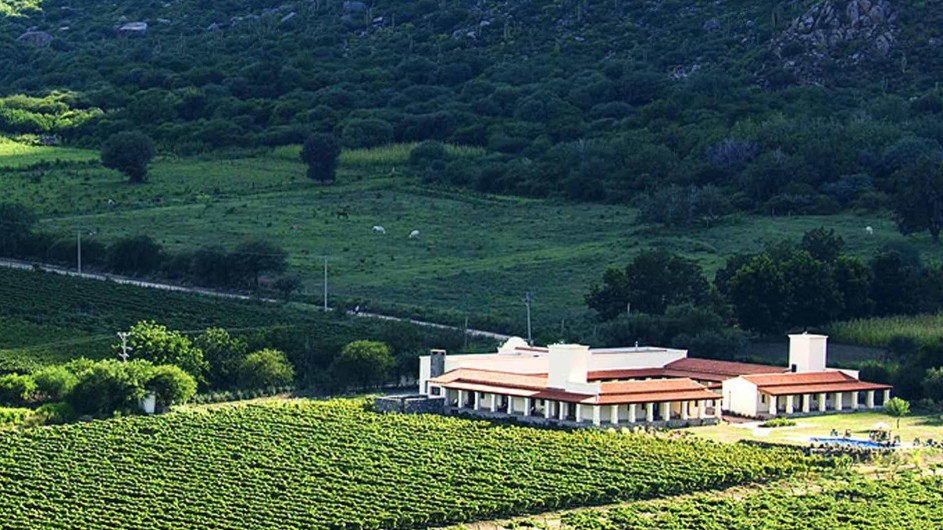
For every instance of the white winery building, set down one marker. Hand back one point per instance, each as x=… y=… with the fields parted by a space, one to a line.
x=574 y=385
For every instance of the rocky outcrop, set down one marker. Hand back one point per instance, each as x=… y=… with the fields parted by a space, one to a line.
x=40 y=39
x=837 y=32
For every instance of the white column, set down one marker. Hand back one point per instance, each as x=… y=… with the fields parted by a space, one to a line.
x=869 y=399
x=494 y=402
x=461 y=399
x=649 y=412
x=789 y=404
x=548 y=409
x=561 y=409
x=477 y=400
x=887 y=395
x=702 y=409
x=772 y=405
x=632 y=413
x=838 y=400
x=806 y=402
x=718 y=408
x=666 y=411
x=823 y=402
x=854 y=401
x=614 y=415
x=527 y=404
x=597 y=415
x=510 y=404
x=684 y=410
x=579 y=412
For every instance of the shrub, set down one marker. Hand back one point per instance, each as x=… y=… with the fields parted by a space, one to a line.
x=172 y=385
x=362 y=364
x=16 y=389
x=109 y=386
x=265 y=368
x=134 y=255
x=53 y=383
x=129 y=153
x=778 y=422
x=54 y=413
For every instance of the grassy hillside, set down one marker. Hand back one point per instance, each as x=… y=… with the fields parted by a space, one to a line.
x=477 y=253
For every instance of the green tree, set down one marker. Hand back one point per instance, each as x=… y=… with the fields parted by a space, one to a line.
x=363 y=364
x=823 y=244
x=266 y=368
x=53 y=383
x=16 y=389
x=223 y=353
x=155 y=343
x=933 y=384
x=255 y=258
x=286 y=285
x=758 y=294
x=16 y=228
x=812 y=296
x=652 y=281
x=853 y=281
x=897 y=408
x=134 y=255
x=130 y=153
x=107 y=386
x=171 y=385
x=918 y=197
x=320 y=152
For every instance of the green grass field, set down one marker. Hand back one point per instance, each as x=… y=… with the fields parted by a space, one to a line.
x=923 y=426
x=476 y=256
x=877 y=331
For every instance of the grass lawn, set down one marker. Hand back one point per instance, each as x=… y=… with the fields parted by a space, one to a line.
x=477 y=254
x=917 y=426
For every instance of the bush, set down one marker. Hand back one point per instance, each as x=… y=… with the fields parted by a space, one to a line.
x=16 y=389
x=172 y=385
x=362 y=364
x=129 y=153
x=778 y=422
x=54 y=413
x=134 y=255
x=13 y=416
x=265 y=368
x=53 y=383
x=108 y=386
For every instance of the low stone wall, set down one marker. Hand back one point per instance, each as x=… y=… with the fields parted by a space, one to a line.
x=411 y=404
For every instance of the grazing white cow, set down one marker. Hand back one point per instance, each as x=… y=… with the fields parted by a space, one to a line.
x=414 y=234
x=868 y=230
x=379 y=229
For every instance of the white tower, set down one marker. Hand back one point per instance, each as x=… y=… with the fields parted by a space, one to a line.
x=807 y=353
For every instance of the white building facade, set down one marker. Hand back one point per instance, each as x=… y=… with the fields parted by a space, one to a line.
x=573 y=385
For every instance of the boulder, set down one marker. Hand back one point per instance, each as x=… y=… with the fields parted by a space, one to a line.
x=133 y=29
x=39 y=39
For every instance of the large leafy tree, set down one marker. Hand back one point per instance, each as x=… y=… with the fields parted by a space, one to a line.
x=812 y=296
x=265 y=368
x=918 y=199
x=758 y=293
x=16 y=228
x=223 y=353
x=320 y=152
x=255 y=258
x=363 y=364
x=155 y=343
x=129 y=152
x=654 y=280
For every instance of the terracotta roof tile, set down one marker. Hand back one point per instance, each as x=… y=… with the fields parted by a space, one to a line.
x=810 y=383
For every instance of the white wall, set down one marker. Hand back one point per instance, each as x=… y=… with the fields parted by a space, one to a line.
x=740 y=397
x=808 y=352
x=627 y=360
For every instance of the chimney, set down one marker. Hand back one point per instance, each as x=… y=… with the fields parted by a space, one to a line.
x=569 y=363
x=436 y=363
x=807 y=353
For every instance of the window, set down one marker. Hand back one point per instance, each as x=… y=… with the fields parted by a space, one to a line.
x=763 y=398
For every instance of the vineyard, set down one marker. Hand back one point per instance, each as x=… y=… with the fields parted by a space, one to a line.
x=901 y=504
x=332 y=464
x=47 y=318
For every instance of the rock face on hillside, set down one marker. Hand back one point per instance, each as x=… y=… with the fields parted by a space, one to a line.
x=837 y=32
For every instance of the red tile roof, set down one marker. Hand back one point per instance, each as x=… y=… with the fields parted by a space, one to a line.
x=810 y=383
x=617 y=392
x=714 y=370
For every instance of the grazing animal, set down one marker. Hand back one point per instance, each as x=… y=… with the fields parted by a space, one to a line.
x=342 y=213
x=379 y=229
x=414 y=234
x=869 y=230
x=296 y=227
